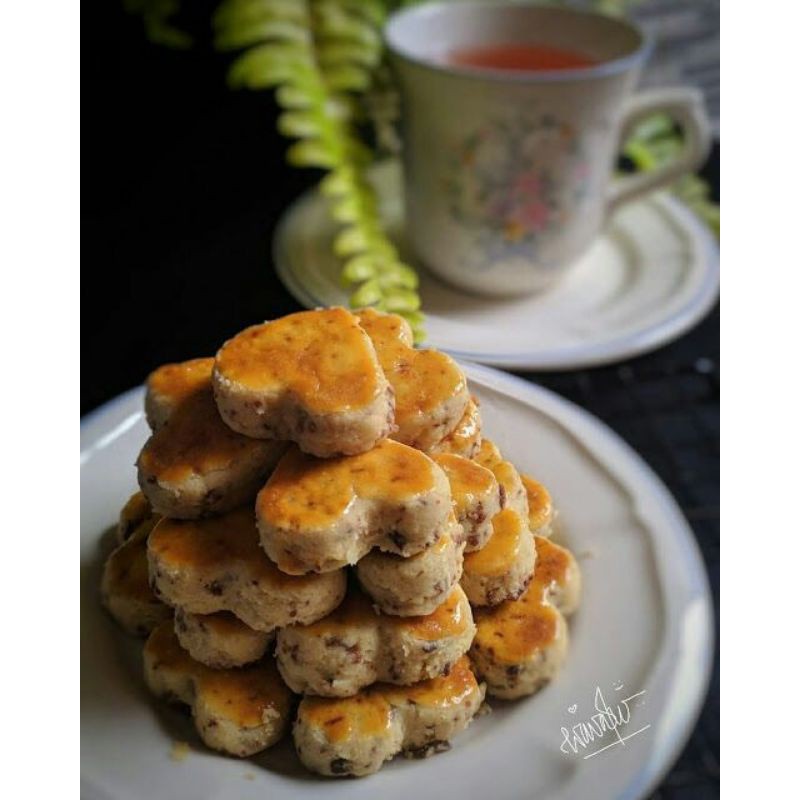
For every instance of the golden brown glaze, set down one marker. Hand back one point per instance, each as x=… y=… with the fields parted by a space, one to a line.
x=447 y=620
x=136 y=511
x=321 y=356
x=357 y=610
x=464 y=439
x=502 y=549
x=242 y=695
x=308 y=492
x=516 y=629
x=469 y=482
x=369 y=713
x=229 y=539
x=366 y=714
x=553 y=564
x=175 y=383
x=196 y=441
x=423 y=380
x=446 y=690
x=126 y=571
x=540 y=506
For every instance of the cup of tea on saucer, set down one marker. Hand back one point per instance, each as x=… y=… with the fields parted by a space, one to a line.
x=513 y=118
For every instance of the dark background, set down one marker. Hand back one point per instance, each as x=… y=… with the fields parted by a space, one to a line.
x=183 y=182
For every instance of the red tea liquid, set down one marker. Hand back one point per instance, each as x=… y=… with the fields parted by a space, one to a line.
x=519 y=57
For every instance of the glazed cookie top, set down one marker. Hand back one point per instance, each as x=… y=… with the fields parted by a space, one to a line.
x=503 y=548
x=196 y=442
x=475 y=491
x=424 y=381
x=172 y=384
x=227 y=543
x=465 y=438
x=369 y=713
x=318 y=514
x=540 y=506
x=516 y=629
x=451 y=618
x=322 y=358
x=242 y=696
x=489 y=456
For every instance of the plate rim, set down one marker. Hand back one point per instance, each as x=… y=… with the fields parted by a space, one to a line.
x=615 y=350
x=653 y=770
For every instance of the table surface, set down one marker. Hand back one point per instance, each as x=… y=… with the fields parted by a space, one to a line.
x=184 y=183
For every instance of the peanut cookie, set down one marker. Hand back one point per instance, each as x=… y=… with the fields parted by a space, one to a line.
x=124 y=588
x=355 y=646
x=540 y=507
x=430 y=389
x=515 y=496
x=503 y=568
x=220 y=640
x=238 y=711
x=318 y=515
x=135 y=511
x=418 y=584
x=476 y=497
x=465 y=438
x=311 y=378
x=356 y=735
x=521 y=644
x=216 y=564
x=170 y=385
x=195 y=465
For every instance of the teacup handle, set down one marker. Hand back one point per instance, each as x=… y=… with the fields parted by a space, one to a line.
x=685 y=106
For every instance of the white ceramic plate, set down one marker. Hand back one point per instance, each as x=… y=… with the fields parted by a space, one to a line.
x=645 y=622
x=649 y=278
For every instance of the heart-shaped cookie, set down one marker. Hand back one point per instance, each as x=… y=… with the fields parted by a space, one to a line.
x=125 y=588
x=502 y=569
x=216 y=564
x=356 y=735
x=356 y=646
x=238 y=711
x=465 y=439
x=194 y=465
x=317 y=514
x=172 y=384
x=476 y=497
x=521 y=644
x=416 y=585
x=311 y=378
x=431 y=394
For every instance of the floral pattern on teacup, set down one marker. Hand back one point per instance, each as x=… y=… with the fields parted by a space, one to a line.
x=513 y=182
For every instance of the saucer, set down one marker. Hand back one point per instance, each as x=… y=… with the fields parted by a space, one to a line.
x=651 y=275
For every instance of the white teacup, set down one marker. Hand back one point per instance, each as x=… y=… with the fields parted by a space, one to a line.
x=509 y=174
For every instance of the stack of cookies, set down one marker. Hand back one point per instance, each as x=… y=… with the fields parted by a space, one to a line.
x=320 y=516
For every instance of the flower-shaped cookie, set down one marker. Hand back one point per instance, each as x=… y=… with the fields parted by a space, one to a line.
x=521 y=644
x=502 y=569
x=216 y=564
x=430 y=389
x=238 y=711
x=321 y=514
x=355 y=646
x=194 y=465
x=311 y=378
x=356 y=735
